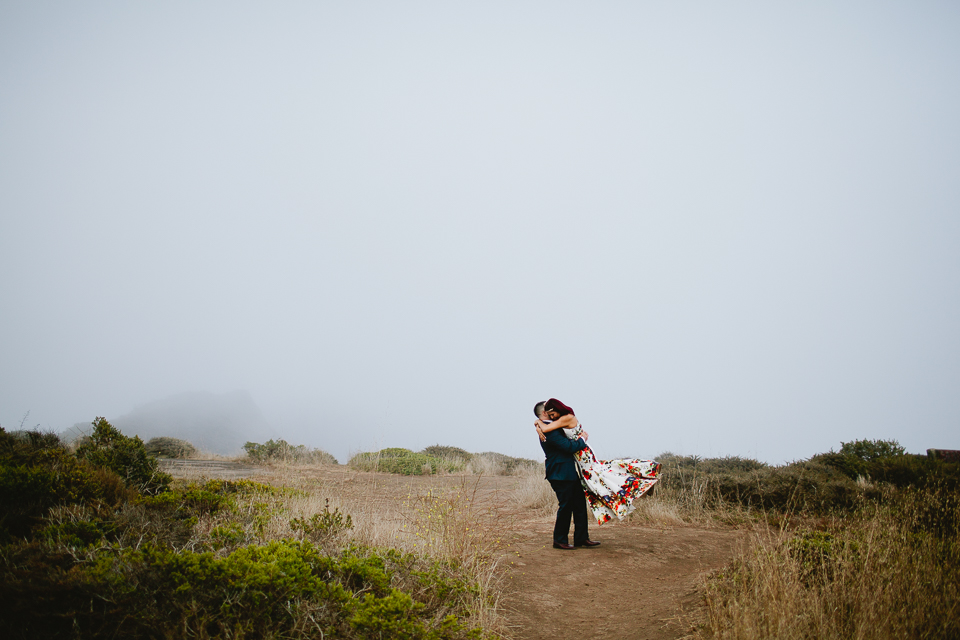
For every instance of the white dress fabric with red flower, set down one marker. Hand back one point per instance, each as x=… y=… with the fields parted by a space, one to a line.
x=613 y=486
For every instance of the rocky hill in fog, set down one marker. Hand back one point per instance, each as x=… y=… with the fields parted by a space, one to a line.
x=214 y=423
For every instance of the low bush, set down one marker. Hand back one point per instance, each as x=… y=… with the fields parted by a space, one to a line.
x=403 y=461
x=283 y=451
x=870 y=450
x=323 y=527
x=170 y=448
x=37 y=473
x=856 y=458
x=282 y=589
x=127 y=457
x=448 y=453
x=884 y=461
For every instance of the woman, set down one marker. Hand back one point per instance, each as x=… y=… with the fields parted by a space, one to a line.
x=611 y=486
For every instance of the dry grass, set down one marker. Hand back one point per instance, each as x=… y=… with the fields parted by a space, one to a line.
x=880 y=574
x=676 y=504
x=486 y=465
x=534 y=492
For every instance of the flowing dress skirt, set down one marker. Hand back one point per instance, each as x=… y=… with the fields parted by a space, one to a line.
x=612 y=486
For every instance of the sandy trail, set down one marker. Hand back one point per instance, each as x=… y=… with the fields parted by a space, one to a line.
x=640 y=583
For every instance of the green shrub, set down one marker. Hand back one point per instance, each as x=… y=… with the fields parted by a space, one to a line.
x=127 y=457
x=884 y=461
x=443 y=451
x=283 y=451
x=281 y=589
x=855 y=459
x=819 y=554
x=168 y=519
x=37 y=473
x=323 y=526
x=36 y=440
x=904 y=470
x=192 y=499
x=403 y=461
x=869 y=450
x=849 y=466
x=170 y=448
x=79 y=532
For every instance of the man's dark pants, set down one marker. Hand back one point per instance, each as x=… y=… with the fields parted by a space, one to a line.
x=572 y=502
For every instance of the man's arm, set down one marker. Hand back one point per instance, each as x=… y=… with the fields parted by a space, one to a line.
x=556 y=440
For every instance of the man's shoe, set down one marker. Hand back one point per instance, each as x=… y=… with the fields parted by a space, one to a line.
x=587 y=543
x=563 y=545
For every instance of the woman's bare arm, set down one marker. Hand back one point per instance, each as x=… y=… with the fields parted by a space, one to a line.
x=563 y=422
x=536 y=425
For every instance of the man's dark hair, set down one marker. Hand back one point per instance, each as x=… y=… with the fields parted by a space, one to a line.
x=538 y=408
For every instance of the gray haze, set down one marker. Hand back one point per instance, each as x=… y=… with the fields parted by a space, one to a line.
x=711 y=228
x=214 y=423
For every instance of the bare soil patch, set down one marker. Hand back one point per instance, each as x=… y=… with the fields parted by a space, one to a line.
x=225 y=469
x=642 y=582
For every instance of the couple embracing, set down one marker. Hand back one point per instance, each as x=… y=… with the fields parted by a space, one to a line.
x=578 y=478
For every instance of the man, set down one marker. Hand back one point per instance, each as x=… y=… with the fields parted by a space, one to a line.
x=562 y=473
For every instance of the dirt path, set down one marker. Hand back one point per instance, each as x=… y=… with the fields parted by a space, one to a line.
x=641 y=583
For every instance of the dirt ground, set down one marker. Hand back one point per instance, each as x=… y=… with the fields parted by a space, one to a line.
x=641 y=583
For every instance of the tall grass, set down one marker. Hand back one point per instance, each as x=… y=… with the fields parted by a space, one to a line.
x=457 y=526
x=533 y=491
x=890 y=571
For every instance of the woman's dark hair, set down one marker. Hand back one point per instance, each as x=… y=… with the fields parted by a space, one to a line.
x=555 y=405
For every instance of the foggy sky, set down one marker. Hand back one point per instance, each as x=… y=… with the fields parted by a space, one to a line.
x=711 y=228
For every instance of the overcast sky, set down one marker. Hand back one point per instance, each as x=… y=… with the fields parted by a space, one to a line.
x=712 y=228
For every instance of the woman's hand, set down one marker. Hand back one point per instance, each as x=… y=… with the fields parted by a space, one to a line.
x=536 y=425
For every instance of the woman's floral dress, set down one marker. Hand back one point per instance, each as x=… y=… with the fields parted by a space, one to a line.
x=612 y=486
